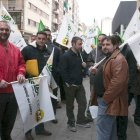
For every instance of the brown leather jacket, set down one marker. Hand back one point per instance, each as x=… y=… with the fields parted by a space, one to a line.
x=115 y=73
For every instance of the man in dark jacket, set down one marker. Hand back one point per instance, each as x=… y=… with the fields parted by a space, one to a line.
x=55 y=70
x=37 y=51
x=71 y=65
x=94 y=57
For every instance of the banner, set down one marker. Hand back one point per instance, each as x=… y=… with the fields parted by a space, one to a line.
x=133 y=26
x=66 y=32
x=34 y=102
x=91 y=36
x=15 y=36
x=134 y=43
x=47 y=71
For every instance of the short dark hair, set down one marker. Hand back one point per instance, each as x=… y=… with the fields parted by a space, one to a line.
x=75 y=39
x=47 y=29
x=112 y=38
x=102 y=35
x=118 y=38
x=41 y=32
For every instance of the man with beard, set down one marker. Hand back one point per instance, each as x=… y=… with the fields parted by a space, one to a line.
x=111 y=80
x=12 y=68
x=94 y=57
x=71 y=65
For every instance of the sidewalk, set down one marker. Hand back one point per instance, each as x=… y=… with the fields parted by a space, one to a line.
x=61 y=132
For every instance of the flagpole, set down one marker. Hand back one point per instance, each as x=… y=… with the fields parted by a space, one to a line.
x=14 y=82
x=81 y=58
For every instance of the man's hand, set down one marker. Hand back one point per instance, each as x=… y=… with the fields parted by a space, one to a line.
x=84 y=64
x=3 y=84
x=93 y=70
x=21 y=78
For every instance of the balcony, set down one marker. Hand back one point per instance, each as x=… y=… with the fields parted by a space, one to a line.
x=14 y=5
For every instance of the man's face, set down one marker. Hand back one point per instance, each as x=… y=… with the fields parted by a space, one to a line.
x=107 y=47
x=4 y=31
x=49 y=36
x=78 y=45
x=41 y=40
x=33 y=38
x=100 y=38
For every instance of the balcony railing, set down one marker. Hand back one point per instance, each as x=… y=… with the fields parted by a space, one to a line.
x=13 y=5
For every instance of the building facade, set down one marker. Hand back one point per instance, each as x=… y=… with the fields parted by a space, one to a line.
x=28 y=13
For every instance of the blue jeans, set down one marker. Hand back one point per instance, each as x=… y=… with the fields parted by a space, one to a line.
x=106 y=124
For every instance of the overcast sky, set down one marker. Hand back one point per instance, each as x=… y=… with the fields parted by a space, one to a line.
x=98 y=9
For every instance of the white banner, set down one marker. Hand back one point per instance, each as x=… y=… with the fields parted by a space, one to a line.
x=66 y=32
x=34 y=102
x=133 y=26
x=134 y=43
x=89 y=41
x=15 y=36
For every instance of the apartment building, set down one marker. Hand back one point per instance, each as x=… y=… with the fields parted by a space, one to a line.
x=28 y=13
x=57 y=14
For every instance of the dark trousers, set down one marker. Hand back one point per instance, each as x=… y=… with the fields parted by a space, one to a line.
x=122 y=121
x=62 y=91
x=38 y=129
x=137 y=111
x=77 y=93
x=8 y=112
x=54 y=101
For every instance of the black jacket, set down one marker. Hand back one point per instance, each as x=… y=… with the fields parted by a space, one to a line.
x=71 y=68
x=132 y=64
x=32 y=52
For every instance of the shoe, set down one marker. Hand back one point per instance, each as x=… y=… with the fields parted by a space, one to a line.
x=28 y=136
x=88 y=119
x=45 y=133
x=72 y=127
x=54 y=121
x=85 y=125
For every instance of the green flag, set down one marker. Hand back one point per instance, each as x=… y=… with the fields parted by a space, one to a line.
x=41 y=26
x=66 y=6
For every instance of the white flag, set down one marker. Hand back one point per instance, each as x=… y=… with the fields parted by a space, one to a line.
x=89 y=41
x=34 y=102
x=134 y=43
x=66 y=32
x=133 y=26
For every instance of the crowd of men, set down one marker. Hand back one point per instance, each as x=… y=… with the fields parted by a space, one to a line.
x=113 y=83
